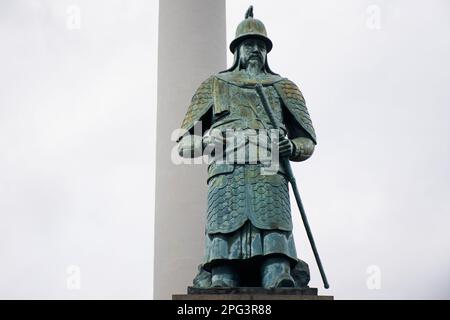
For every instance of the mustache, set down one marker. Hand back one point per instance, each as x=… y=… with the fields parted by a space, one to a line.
x=256 y=55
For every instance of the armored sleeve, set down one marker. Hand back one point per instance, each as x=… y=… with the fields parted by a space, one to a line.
x=297 y=120
x=297 y=114
x=197 y=113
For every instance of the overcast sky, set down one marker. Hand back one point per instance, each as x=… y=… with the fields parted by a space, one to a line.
x=77 y=110
x=77 y=104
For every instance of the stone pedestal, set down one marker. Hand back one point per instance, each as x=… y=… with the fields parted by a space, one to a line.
x=251 y=293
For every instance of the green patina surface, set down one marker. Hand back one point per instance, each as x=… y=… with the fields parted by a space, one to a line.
x=248 y=234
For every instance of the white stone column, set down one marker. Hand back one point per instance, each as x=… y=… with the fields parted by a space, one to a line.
x=192 y=46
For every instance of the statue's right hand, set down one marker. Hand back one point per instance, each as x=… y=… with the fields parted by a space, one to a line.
x=212 y=138
x=190 y=146
x=213 y=142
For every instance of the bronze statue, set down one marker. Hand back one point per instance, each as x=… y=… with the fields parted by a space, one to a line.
x=249 y=239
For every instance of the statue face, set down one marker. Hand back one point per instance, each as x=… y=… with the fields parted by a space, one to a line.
x=252 y=51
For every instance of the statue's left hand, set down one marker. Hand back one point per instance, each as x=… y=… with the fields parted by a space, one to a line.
x=285 y=147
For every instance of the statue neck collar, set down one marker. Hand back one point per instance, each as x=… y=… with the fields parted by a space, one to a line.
x=241 y=78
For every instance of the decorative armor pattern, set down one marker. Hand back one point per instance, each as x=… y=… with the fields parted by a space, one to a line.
x=244 y=194
x=294 y=101
x=200 y=103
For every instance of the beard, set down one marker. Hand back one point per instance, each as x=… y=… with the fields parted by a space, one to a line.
x=254 y=61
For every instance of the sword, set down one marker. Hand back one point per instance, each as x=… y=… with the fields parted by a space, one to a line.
x=284 y=162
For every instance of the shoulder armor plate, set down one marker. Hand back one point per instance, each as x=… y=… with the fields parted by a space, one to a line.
x=295 y=103
x=200 y=104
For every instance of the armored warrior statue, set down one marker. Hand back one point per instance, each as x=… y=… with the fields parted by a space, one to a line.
x=249 y=239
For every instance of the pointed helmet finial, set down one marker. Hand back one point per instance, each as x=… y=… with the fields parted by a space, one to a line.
x=249 y=13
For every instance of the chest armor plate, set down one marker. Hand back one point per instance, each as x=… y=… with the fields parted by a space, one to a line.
x=245 y=110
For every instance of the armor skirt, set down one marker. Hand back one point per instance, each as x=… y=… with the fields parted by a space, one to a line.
x=238 y=193
x=248 y=242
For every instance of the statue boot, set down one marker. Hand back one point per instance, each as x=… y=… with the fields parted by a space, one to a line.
x=276 y=273
x=224 y=276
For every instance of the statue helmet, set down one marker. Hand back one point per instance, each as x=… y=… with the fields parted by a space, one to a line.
x=250 y=28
